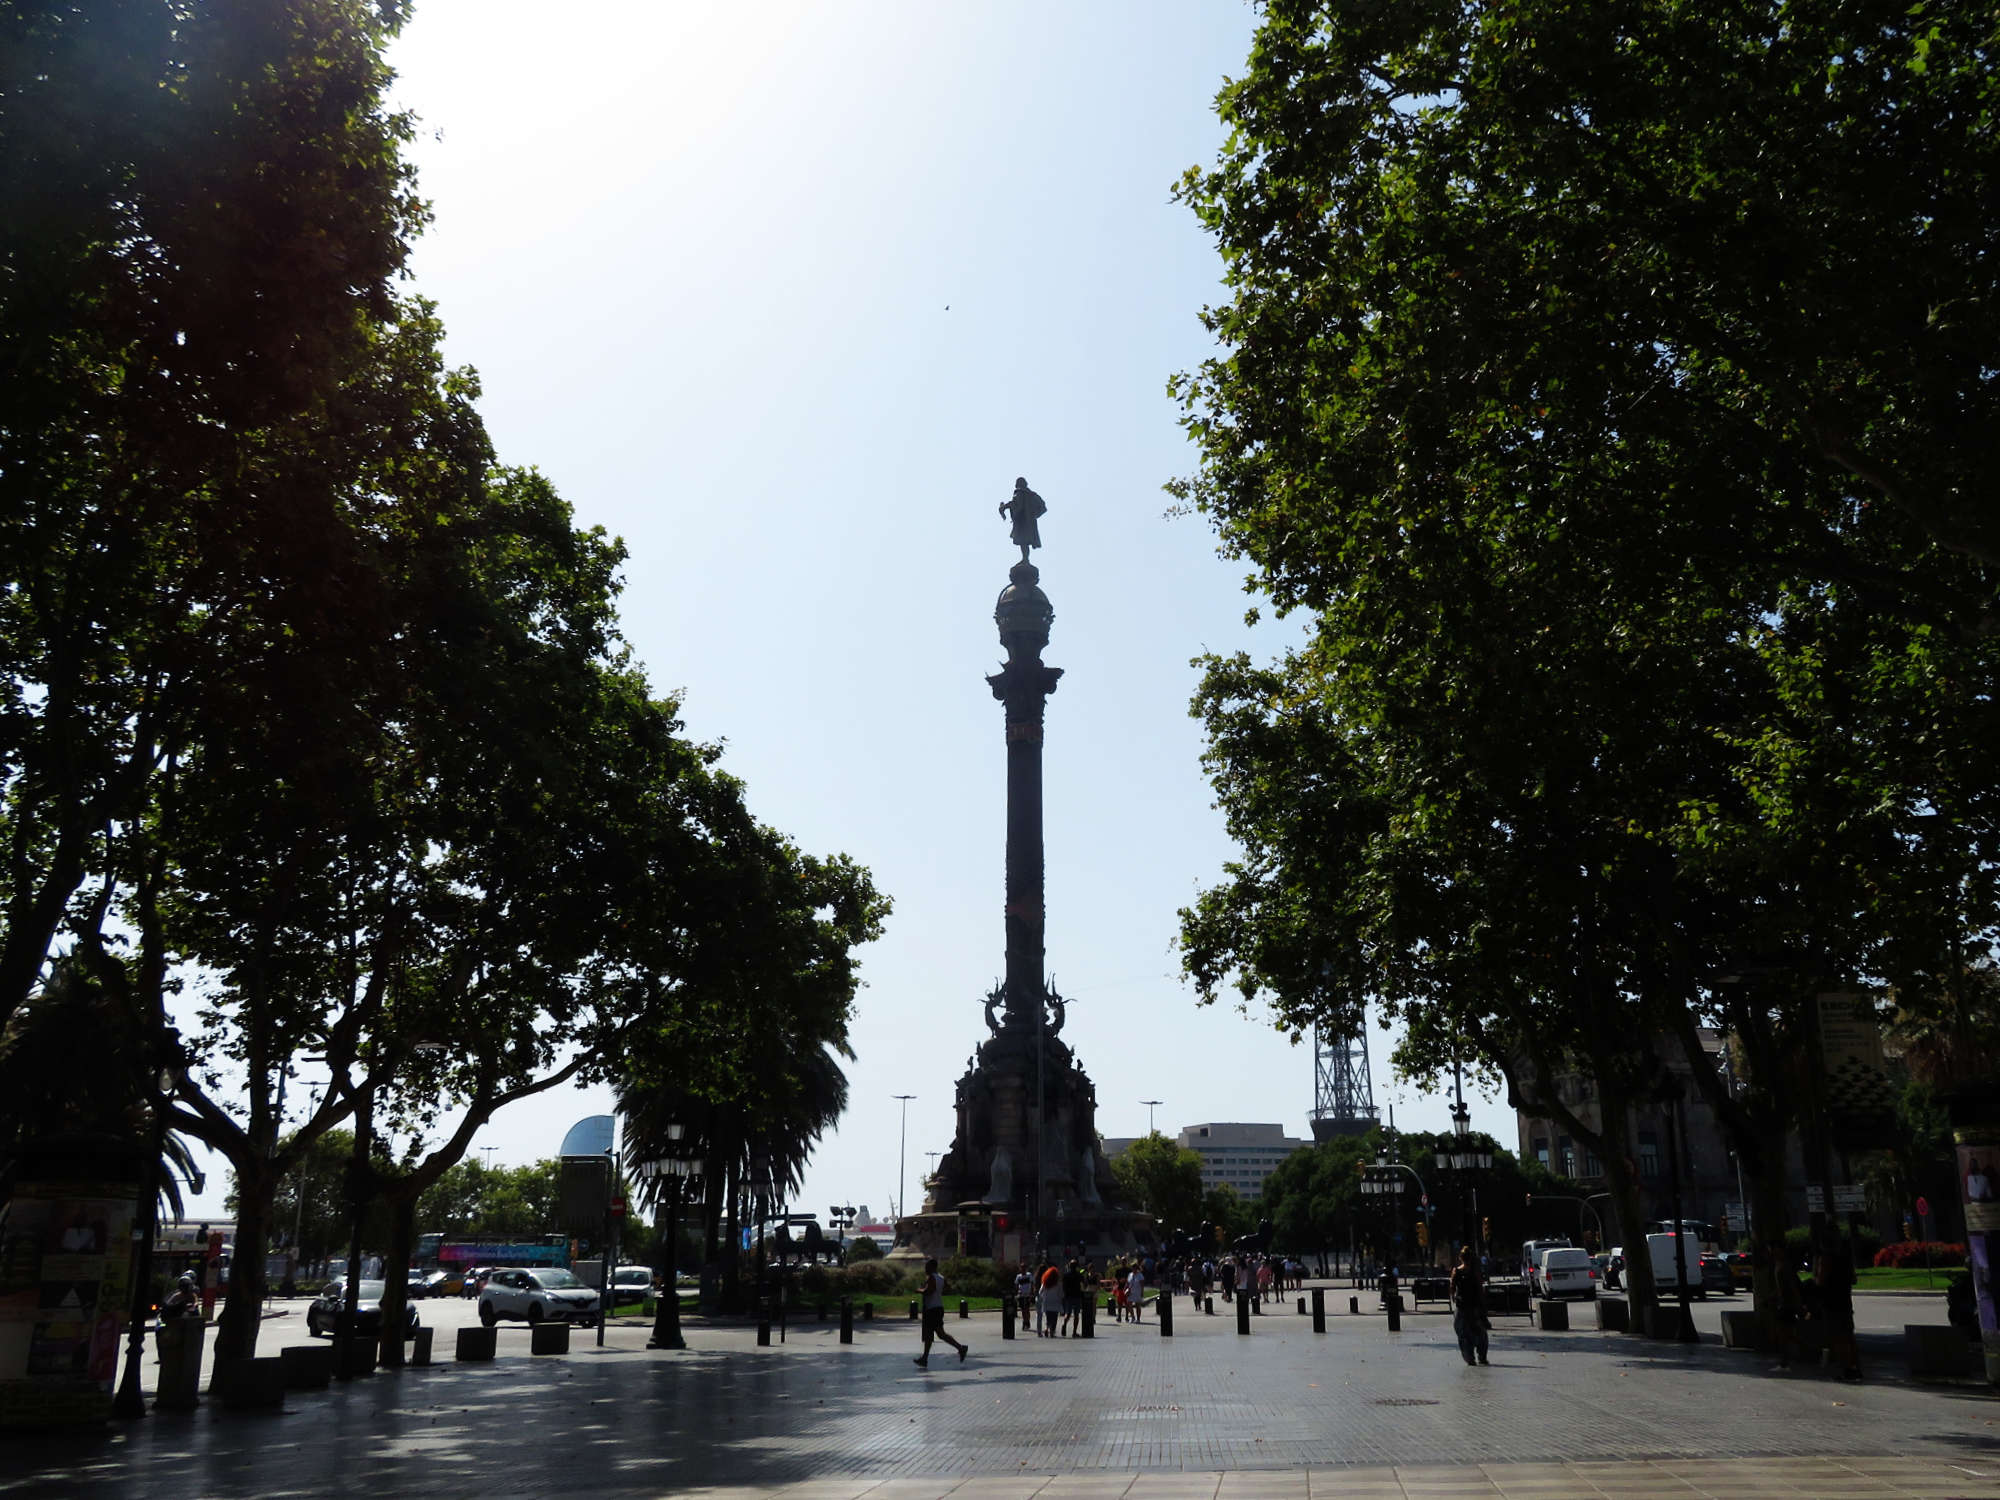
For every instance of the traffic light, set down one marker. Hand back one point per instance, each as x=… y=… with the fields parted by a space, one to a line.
x=1424 y=1235
x=1486 y=1229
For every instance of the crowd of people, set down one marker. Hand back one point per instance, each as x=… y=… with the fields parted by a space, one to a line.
x=1052 y=1299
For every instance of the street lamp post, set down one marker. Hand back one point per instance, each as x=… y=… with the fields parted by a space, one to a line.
x=902 y=1151
x=677 y=1166
x=1150 y=1105
x=131 y=1400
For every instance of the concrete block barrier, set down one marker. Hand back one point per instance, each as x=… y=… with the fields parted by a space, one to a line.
x=477 y=1344
x=251 y=1384
x=307 y=1367
x=421 y=1340
x=1935 y=1349
x=548 y=1338
x=1614 y=1314
x=355 y=1357
x=1552 y=1314
x=1740 y=1329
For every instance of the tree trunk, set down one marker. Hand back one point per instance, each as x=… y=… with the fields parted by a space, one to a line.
x=396 y=1276
x=242 y=1309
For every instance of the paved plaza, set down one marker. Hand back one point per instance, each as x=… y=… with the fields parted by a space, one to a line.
x=1353 y=1412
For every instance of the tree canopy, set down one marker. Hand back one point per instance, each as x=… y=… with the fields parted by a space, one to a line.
x=1625 y=454
x=318 y=739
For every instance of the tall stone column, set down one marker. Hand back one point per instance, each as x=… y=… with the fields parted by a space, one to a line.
x=1023 y=685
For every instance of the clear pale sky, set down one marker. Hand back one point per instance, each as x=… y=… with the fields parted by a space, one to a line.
x=786 y=296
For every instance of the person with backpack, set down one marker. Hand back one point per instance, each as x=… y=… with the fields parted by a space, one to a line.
x=933 y=1309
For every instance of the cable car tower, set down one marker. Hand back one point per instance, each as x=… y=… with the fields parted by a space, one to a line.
x=1343 y=1096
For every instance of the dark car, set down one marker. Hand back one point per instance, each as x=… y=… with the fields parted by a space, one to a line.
x=323 y=1316
x=1715 y=1275
x=419 y=1285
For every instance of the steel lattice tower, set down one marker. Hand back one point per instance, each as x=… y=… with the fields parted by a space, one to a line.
x=1343 y=1096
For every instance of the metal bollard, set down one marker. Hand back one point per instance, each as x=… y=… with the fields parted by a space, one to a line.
x=1302 y=1307
x=1395 y=1312
x=1006 y=1317
x=913 y=1309
x=847 y=1320
x=1208 y=1306
x=964 y=1308
x=763 y=1330
x=1354 y=1305
x=1090 y=1317
x=1319 y=1309
x=820 y=1312
x=1242 y=1314
x=1257 y=1305
x=867 y=1312
x=1165 y=1308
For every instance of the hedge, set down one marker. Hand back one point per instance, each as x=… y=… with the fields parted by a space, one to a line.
x=1912 y=1253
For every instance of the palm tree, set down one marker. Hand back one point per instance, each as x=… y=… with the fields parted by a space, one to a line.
x=73 y=1062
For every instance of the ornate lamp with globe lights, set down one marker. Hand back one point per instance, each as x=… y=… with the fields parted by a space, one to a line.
x=671 y=1173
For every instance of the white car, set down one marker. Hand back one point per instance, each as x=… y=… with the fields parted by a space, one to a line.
x=1566 y=1272
x=546 y=1294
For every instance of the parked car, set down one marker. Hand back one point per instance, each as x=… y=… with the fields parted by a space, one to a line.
x=419 y=1285
x=544 y=1294
x=323 y=1314
x=1715 y=1275
x=1566 y=1272
x=631 y=1283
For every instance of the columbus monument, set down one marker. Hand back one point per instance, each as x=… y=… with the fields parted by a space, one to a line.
x=1025 y=1173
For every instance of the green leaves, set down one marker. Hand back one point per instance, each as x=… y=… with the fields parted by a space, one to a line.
x=1600 y=415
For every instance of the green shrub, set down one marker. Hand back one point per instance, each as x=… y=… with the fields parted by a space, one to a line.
x=862 y=1249
x=970 y=1276
x=1798 y=1242
x=872 y=1278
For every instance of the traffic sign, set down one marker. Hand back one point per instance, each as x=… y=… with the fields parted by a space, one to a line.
x=1923 y=1208
x=617 y=1208
x=1424 y=1201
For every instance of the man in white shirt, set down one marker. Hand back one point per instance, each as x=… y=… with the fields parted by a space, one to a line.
x=1135 y=1295
x=933 y=1310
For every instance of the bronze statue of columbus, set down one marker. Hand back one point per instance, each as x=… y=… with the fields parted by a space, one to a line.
x=1024 y=510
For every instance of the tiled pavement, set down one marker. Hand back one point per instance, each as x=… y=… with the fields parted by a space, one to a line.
x=1740 y=1479
x=1284 y=1413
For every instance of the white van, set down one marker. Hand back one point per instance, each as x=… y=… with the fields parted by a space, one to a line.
x=1531 y=1259
x=1666 y=1281
x=1567 y=1272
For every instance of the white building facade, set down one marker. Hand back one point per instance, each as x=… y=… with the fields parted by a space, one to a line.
x=1238 y=1155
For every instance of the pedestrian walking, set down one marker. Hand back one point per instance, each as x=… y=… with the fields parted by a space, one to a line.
x=1051 y=1291
x=1024 y=1296
x=934 y=1315
x=1835 y=1280
x=1229 y=1279
x=1468 y=1306
x=1072 y=1303
x=1790 y=1299
x=1135 y=1295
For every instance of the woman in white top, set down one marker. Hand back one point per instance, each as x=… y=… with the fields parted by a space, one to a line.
x=1135 y=1295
